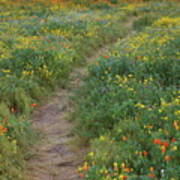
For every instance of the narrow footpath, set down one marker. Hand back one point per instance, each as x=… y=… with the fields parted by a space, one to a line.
x=55 y=158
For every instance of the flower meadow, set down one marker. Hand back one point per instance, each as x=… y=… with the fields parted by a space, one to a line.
x=40 y=43
x=128 y=110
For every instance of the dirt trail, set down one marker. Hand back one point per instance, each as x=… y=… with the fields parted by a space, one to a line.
x=54 y=158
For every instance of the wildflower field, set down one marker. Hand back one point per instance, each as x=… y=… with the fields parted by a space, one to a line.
x=128 y=108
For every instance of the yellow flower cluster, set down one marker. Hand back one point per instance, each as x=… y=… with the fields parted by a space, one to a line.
x=167 y=22
x=59 y=32
x=133 y=6
x=29 y=41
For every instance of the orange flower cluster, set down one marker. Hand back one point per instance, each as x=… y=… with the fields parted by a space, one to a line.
x=83 y=169
x=34 y=105
x=123 y=177
x=151 y=175
x=2 y=130
x=163 y=144
x=125 y=169
x=54 y=1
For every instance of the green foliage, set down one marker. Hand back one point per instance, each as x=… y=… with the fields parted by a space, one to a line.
x=128 y=108
x=143 y=21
